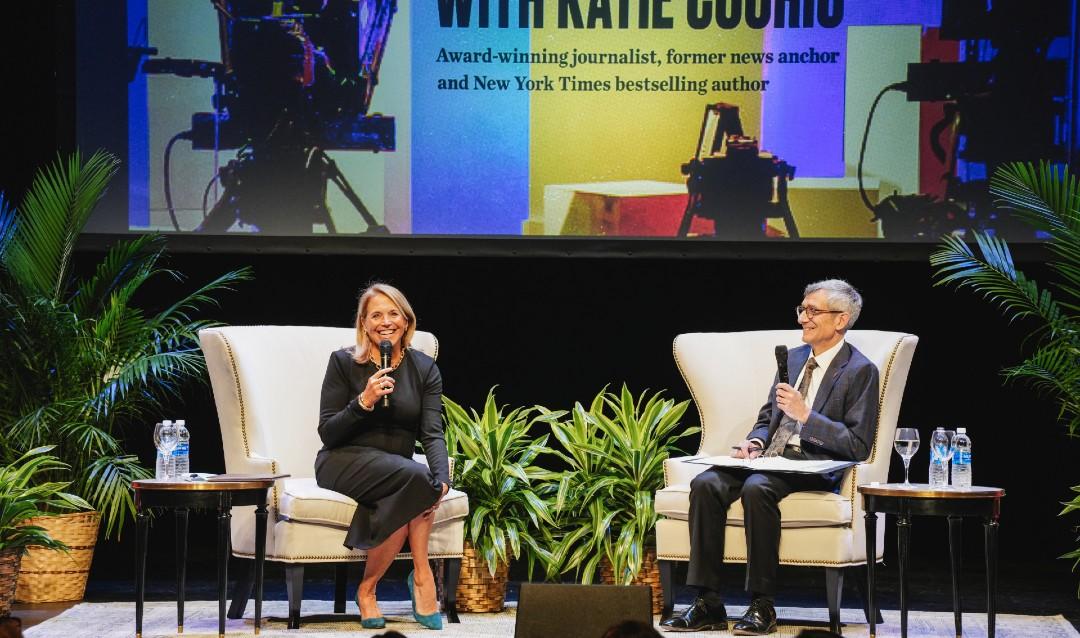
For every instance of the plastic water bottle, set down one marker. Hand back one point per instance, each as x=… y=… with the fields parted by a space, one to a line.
x=939 y=452
x=182 y=453
x=961 y=463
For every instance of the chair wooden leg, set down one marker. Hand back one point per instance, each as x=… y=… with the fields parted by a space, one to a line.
x=439 y=571
x=294 y=584
x=453 y=571
x=245 y=583
x=834 y=589
x=667 y=586
x=341 y=578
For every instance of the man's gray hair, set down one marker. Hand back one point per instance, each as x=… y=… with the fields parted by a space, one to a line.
x=841 y=296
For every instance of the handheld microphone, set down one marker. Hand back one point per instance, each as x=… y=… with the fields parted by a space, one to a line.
x=781 y=364
x=385 y=351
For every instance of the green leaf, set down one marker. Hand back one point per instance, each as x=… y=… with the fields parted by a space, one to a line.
x=82 y=360
x=1047 y=197
x=54 y=212
x=495 y=449
x=25 y=495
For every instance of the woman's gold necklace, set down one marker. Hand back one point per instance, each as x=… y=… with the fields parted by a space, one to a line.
x=378 y=363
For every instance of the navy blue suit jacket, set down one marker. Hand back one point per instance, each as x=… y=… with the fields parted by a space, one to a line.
x=843 y=419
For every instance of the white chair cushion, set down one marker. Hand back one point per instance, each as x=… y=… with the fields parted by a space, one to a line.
x=800 y=509
x=308 y=543
x=302 y=500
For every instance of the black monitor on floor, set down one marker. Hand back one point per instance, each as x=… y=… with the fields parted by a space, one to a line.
x=578 y=611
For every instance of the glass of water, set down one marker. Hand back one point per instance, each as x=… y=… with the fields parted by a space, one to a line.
x=166 y=436
x=906 y=443
x=946 y=451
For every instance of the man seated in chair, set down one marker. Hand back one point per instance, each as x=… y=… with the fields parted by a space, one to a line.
x=832 y=415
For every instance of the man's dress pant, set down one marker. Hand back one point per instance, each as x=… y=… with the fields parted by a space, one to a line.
x=712 y=492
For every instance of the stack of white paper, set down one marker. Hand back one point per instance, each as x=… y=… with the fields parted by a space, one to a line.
x=775 y=464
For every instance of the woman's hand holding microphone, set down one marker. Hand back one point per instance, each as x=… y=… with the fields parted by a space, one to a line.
x=378 y=386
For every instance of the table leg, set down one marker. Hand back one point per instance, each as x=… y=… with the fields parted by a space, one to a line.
x=260 y=558
x=903 y=533
x=991 y=533
x=140 y=568
x=870 y=520
x=223 y=562
x=955 y=556
x=181 y=564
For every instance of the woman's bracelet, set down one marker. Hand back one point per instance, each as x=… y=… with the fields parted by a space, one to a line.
x=360 y=401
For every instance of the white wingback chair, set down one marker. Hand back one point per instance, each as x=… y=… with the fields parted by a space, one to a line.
x=267 y=382
x=729 y=375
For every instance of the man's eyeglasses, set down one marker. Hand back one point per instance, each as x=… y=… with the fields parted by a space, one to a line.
x=812 y=312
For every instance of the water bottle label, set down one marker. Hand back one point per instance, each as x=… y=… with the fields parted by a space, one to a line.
x=963 y=458
x=181 y=459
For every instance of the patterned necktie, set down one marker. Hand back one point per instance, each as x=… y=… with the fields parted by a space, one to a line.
x=789 y=426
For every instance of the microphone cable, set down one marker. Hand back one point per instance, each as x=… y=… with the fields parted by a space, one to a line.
x=182 y=135
x=898 y=86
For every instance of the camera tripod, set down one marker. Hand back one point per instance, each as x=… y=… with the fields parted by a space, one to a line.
x=281 y=191
x=737 y=193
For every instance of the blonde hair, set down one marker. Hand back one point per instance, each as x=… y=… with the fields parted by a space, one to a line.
x=363 y=344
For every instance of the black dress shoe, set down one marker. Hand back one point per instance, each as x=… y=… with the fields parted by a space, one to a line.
x=697 y=617
x=759 y=620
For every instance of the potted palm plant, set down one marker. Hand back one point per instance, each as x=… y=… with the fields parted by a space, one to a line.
x=82 y=359
x=23 y=502
x=615 y=451
x=1046 y=197
x=493 y=455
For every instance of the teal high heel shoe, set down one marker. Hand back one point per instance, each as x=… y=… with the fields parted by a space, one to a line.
x=431 y=621
x=377 y=622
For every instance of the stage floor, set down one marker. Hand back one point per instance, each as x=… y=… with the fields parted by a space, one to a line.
x=114 y=620
x=1023 y=589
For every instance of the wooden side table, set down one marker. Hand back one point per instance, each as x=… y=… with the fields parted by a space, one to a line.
x=953 y=503
x=182 y=496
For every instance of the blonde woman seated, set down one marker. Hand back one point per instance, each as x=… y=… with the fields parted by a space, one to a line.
x=368 y=445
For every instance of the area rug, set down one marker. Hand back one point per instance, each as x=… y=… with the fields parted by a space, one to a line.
x=117 y=620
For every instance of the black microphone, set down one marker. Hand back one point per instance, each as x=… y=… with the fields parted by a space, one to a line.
x=781 y=364
x=385 y=351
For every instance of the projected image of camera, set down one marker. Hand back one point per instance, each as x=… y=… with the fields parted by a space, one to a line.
x=733 y=183
x=295 y=79
x=1005 y=98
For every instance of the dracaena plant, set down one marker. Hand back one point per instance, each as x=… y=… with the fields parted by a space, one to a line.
x=494 y=453
x=23 y=496
x=81 y=358
x=615 y=451
x=1046 y=197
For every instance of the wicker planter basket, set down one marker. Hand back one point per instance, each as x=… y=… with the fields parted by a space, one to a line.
x=649 y=575
x=477 y=591
x=49 y=576
x=9 y=573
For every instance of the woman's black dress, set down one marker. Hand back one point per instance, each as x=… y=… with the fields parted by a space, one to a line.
x=368 y=455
